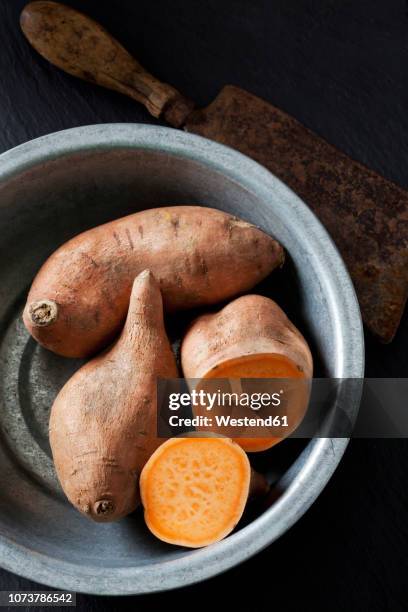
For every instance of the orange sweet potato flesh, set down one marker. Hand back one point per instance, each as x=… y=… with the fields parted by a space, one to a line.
x=194 y=490
x=79 y=299
x=103 y=422
x=250 y=338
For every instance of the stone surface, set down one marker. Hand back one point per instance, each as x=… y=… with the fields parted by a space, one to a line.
x=335 y=66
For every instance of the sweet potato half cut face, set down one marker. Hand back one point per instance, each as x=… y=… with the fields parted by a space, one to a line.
x=194 y=490
x=241 y=374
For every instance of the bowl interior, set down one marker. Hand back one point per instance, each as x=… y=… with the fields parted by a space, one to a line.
x=40 y=208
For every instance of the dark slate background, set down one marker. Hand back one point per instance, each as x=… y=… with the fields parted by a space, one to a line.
x=340 y=67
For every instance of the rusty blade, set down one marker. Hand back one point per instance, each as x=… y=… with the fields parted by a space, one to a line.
x=366 y=215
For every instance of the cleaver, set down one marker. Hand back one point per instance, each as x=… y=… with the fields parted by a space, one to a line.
x=366 y=215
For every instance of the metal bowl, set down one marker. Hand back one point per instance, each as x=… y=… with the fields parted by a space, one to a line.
x=51 y=189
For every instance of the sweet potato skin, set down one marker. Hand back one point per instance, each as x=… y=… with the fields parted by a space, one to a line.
x=103 y=425
x=249 y=326
x=198 y=255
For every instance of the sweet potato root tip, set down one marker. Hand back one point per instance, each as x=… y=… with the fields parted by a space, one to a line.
x=194 y=490
x=259 y=486
x=42 y=313
x=104 y=508
x=143 y=275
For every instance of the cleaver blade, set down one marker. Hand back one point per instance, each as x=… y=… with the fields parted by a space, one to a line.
x=365 y=214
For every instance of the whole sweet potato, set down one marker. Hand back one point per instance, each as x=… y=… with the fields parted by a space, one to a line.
x=79 y=299
x=103 y=425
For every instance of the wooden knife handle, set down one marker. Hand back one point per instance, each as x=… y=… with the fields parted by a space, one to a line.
x=80 y=46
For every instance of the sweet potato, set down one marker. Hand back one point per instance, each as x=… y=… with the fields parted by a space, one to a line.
x=103 y=422
x=249 y=338
x=194 y=490
x=79 y=299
